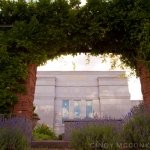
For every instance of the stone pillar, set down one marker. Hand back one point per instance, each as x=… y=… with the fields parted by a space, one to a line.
x=24 y=107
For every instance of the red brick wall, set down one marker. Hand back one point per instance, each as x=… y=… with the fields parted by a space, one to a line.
x=145 y=83
x=24 y=107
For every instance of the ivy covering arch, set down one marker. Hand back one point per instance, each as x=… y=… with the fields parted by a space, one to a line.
x=34 y=32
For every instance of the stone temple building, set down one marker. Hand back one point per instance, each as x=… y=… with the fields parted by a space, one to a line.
x=61 y=95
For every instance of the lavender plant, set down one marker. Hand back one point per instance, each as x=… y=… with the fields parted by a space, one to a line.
x=136 y=130
x=15 y=134
x=95 y=134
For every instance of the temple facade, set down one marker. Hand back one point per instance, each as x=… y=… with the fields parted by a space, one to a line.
x=61 y=95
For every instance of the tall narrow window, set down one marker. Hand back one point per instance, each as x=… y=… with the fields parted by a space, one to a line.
x=89 y=109
x=77 y=109
x=65 y=110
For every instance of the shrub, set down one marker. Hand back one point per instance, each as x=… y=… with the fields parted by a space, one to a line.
x=95 y=134
x=43 y=132
x=60 y=137
x=34 y=114
x=136 y=130
x=40 y=136
x=14 y=134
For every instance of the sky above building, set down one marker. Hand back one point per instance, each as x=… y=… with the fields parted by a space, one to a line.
x=79 y=63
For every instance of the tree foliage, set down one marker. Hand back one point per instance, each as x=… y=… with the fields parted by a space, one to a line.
x=47 y=29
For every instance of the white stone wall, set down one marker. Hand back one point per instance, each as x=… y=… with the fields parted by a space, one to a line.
x=44 y=99
x=109 y=93
x=114 y=96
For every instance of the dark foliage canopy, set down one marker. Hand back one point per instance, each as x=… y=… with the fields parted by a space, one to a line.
x=47 y=29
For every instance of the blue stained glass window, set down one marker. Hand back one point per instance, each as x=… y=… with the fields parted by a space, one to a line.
x=65 y=110
x=89 y=113
x=77 y=109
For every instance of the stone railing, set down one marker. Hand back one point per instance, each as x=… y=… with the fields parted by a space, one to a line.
x=72 y=124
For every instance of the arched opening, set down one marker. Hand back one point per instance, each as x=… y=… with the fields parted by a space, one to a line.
x=88 y=90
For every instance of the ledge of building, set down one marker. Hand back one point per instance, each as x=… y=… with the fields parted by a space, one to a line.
x=92 y=120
